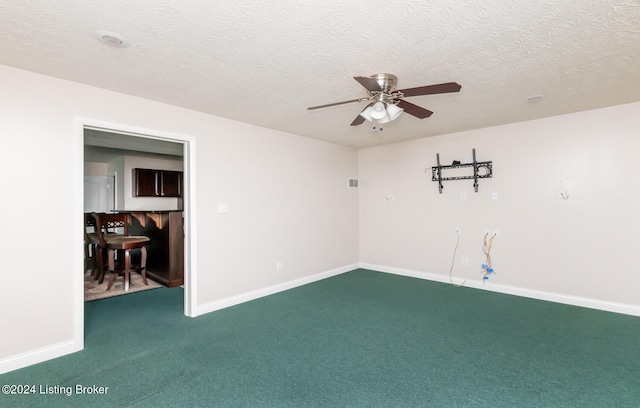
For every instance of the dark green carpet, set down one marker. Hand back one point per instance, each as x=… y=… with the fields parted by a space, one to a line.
x=361 y=339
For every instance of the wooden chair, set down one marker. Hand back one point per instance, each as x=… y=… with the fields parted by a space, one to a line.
x=120 y=245
x=91 y=243
x=93 y=254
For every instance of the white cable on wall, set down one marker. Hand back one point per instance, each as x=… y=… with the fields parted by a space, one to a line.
x=453 y=261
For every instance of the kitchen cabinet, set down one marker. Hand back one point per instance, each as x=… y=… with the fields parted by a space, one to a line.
x=157 y=183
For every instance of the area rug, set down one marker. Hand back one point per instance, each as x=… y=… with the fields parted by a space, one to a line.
x=94 y=291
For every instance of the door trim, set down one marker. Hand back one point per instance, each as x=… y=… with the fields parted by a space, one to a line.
x=189 y=167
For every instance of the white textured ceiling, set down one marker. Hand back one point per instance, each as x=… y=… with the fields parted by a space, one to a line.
x=265 y=62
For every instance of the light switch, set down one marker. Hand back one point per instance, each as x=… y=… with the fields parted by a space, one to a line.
x=223 y=208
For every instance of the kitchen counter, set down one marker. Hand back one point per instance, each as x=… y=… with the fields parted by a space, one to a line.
x=165 y=253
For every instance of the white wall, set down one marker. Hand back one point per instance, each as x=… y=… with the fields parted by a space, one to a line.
x=95 y=169
x=287 y=194
x=583 y=247
x=288 y=202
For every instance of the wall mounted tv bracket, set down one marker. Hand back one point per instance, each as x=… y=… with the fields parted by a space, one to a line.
x=480 y=170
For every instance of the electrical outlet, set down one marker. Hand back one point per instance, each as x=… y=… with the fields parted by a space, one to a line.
x=278 y=266
x=465 y=261
x=463 y=195
x=494 y=195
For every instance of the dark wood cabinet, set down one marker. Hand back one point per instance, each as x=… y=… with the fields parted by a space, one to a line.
x=171 y=183
x=157 y=183
x=145 y=182
x=165 y=252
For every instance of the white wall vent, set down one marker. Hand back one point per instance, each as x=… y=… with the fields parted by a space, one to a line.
x=353 y=183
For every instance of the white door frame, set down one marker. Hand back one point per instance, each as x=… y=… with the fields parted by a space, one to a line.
x=190 y=259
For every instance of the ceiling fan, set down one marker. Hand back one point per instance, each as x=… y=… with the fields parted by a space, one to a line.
x=387 y=103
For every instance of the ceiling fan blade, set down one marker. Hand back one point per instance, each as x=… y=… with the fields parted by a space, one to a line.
x=369 y=83
x=431 y=89
x=336 y=103
x=359 y=120
x=414 y=110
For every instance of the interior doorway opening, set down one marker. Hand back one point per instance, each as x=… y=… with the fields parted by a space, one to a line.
x=148 y=143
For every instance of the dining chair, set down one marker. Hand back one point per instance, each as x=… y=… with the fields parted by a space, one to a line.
x=94 y=254
x=91 y=243
x=118 y=247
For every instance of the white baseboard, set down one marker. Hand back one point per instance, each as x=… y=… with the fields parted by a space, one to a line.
x=246 y=297
x=38 y=356
x=622 y=308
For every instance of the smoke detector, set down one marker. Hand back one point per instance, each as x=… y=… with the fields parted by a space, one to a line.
x=112 y=39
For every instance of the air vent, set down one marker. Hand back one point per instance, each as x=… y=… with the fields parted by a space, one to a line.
x=353 y=183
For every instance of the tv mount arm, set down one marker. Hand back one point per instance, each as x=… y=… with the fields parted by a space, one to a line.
x=486 y=167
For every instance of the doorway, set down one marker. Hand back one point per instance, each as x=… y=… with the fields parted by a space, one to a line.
x=141 y=136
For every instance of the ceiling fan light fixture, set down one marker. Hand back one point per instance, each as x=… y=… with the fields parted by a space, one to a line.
x=393 y=111
x=385 y=119
x=378 y=111
x=381 y=112
x=367 y=114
